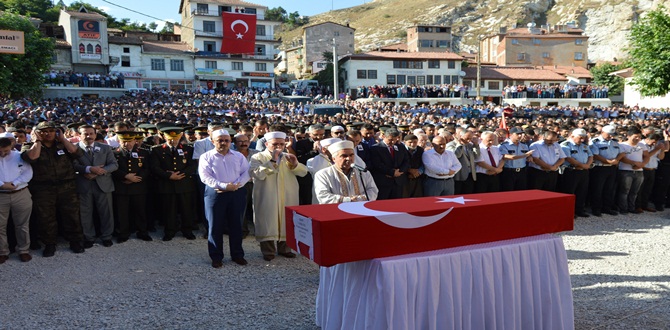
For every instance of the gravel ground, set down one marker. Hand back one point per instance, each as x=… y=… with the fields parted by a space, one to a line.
x=620 y=270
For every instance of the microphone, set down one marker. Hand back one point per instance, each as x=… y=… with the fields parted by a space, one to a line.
x=360 y=168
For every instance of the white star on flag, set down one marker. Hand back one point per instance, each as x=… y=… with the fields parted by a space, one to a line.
x=459 y=200
x=239 y=36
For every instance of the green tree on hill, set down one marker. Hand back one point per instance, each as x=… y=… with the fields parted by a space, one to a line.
x=21 y=74
x=601 y=76
x=649 y=53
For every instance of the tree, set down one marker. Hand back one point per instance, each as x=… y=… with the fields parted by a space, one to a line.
x=601 y=76
x=152 y=26
x=649 y=53
x=325 y=76
x=276 y=14
x=22 y=74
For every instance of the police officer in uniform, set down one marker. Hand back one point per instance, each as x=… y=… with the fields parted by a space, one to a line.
x=130 y=183
x=53 y=186
x=514 y=175
x=173 y=165
x=547 y=159
x=578 y=161
x=606 y=155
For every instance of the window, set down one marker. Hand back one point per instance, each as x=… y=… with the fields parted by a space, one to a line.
x=176 y=65
x=157 y=64
x=250 y=10
x=493 y=85
x=537 y=41
x=447 y=80
x=238 y=66
x=579 y=41
x=400 y=79
x=433 y=64
x=210 y=46
x=429 y=80
x=421 y=80
x=208 y=26
x=443 y=44
x=361 y=74
x=437 y=80
x=411 y=80
x=454 y=79
x=425 y=43
x=390 y=79
x=125 y=61
x=261 y=67
x=521 y=57
x=451 y=64
x=515 y=41
x=89 y=49
x=424 y=29
x=416 y=65
x=372 y=74
x=579 y=56
x=126 y=50
x=203 y=8
x=336 y=33
x=260 y=49
x=224 y=9
x=545 y=55
x=442 y=30
x=260 y=30
x=210 y=64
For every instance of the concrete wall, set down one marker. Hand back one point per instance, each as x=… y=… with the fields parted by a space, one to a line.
x=64 y=92
x=319 y=39
x=561 y=51
x=560 y=102
x=632 y=98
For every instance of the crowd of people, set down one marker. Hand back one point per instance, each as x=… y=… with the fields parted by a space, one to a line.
x=84 y=79
x=106 y=169
x=571 y=91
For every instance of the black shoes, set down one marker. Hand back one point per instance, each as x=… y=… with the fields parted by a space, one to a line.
x=49 y=250
x=289 y=255
x=268 y=257
x=240 y=261
x=217 y=264
x=145 y=237
x=167 y=238
x=612 y=212
x=35 y=246
x=582 y=215
x=107 y=243
x=75 y=247
x=121 y=240
x=189 y=236
x=88 y=244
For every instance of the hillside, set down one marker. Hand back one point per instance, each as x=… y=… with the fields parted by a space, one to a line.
x=383 y=22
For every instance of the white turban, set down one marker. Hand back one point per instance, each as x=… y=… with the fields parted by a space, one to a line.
x=6 y=135
x=219 y=132
x=274 y=135
x=326 y=142
x=337 y=146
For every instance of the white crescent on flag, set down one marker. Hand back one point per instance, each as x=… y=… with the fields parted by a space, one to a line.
x=394 y=219
x=239 y=21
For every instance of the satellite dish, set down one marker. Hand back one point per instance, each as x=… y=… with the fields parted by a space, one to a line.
x=462 y=73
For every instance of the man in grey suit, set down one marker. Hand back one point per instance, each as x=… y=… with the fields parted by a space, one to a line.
x=95 y=186
x=466 y=151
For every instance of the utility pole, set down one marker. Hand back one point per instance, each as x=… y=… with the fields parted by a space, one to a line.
x=479 y=68
x=335 y=75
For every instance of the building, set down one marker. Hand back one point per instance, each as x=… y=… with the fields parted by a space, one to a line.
x=87 y=35
x=315 y=40
x=429 y=38
x=632 y=96
x=562 y=45
x=389 y=68
x=202 y=29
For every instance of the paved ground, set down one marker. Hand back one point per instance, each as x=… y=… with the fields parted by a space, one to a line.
x=620 y=270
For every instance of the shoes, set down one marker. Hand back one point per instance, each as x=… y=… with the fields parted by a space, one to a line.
x=107 y=243
x=597 y=214
x=121 y=239
x=3 y=259
x=145 y=237
x=189 y=236
x=289 y=255
x=88 y=244
x=623 y=212
x=217 y=263
x=660 y=208
x=268 y=258
x=637 y=211
x=49 y=250
x=648 y=209
x=152 y=229
x=240 y=261
x=35 y=246
x=25 y=257
x=167 y=238
x=76 y=247
x=582 y=215
x=612 y=212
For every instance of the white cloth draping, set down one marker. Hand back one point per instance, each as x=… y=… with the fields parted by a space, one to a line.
x=514 y=284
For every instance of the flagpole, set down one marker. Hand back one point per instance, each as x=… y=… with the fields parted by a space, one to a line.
x=335 y=78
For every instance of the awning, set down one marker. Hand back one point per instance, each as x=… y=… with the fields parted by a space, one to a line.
x=214 y=77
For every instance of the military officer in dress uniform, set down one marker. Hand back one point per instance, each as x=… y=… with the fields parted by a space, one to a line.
x=606 y=154
x=173 y=165
x=130 y=183
x=514 y=176
x=578 y=161
x=150 y=202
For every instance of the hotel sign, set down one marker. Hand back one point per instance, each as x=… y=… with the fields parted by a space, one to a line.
x=12 y=42
x=258 y=74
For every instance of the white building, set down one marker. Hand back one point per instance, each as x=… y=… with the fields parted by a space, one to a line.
x=87 y=35
x=126 y=58
x=202 y=29
x=388 y=68
x=632 y=96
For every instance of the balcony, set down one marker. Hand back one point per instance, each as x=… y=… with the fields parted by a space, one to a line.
x=219 y=34
x=234 y=56
x=209 y=13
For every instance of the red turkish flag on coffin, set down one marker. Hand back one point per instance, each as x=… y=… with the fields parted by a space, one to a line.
x=239 y=33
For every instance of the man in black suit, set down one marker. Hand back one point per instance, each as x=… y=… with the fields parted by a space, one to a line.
x=390 y=162
x=173 y=166
x=361 y=149
x=305 y=149
x=130 y=187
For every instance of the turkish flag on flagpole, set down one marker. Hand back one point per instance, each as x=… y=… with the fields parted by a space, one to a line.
x=503 y=123
x=239 y=33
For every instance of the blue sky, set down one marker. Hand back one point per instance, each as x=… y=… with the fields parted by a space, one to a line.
x=169 y=10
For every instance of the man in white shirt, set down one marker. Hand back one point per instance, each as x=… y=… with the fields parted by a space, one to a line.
x=630 y=174
x=489 y=164
x=440 y=167
x=14 y=197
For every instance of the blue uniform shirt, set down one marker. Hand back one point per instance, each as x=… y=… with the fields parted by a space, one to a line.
x=607 y=149
x=580 y=152
x=549 y=154
x=509 y=148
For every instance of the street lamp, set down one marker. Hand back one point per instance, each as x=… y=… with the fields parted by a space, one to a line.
x=479 y=68
x=335 y=75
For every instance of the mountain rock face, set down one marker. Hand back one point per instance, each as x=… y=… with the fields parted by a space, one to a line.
x=383 y=22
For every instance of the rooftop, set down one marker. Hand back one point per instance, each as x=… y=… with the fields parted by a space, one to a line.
x=403 y=55
x=508 y=73
x=165 y=47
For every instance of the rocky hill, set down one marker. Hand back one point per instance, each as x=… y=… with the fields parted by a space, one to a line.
x=383 y=22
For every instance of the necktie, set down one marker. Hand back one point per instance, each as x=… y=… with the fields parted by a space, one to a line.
x=392 y=152
x=493 y=161
x=89 y=150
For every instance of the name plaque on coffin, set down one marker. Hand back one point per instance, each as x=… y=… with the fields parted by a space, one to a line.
x=337 y=233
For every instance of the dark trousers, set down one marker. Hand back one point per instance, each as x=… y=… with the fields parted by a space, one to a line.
x=466 y=186
x=392 y=191
x=248 y=219
x=602 y=184
x=199 y=203
x=513 y=179
x=130 y=211
x=542 y=180
x=182 y=203
x=305 y=189
x=225 y=210
x=487 y=183
x=576 y=182
x=414 y=188
x=645 y=191
x=661 y=185
x=50 y=201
